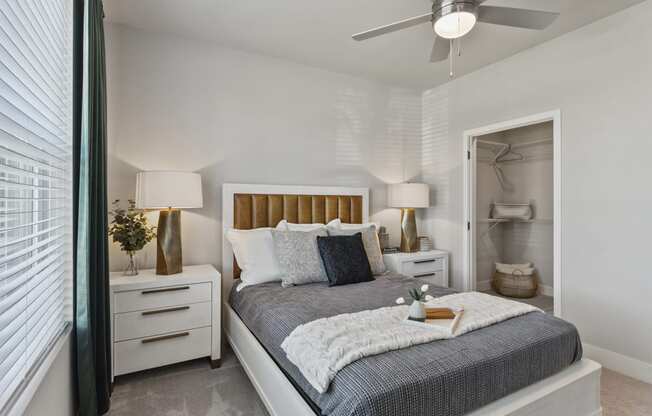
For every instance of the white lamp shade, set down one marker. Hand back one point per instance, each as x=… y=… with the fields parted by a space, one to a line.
x=408 y=195
x=168 y=189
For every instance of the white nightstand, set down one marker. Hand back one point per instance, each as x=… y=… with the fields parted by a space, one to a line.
x=431 y=266
x=160 y=320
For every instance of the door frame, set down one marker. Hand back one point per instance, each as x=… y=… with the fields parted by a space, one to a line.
x=470 y=214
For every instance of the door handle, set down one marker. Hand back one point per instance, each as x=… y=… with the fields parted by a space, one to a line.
x=425 y=275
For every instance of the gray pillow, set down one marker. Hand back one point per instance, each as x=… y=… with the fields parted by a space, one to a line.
x=298 y=256
x=371 y=245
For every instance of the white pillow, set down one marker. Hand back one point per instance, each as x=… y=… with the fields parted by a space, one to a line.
x=298 y=256
x=254 y=251
x=283 y=225
x=338 y=224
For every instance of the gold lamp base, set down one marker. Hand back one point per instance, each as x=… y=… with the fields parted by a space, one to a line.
x=168 y=242
x=408 y=231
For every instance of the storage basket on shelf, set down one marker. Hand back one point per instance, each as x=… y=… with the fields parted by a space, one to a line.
x=516 y=281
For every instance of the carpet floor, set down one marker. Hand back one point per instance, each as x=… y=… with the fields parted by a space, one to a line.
x=193 y=389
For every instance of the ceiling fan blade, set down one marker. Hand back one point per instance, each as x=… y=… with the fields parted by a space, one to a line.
x=509 y=16
x=403 y=24
x=440 y=49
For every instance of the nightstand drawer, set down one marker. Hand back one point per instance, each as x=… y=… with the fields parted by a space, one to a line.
x=161 y=297
x=437 y=278
x=140 y=324
x=421 y=266
x=140 y=354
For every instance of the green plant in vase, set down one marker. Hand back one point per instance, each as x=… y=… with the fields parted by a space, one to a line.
x=130 y=229
x=417 y=308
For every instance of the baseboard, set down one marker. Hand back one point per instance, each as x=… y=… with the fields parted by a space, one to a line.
x=623 y=364
x=546 y=290
x=483 y=286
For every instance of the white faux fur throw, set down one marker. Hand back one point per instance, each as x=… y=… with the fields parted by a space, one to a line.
x=324 y=346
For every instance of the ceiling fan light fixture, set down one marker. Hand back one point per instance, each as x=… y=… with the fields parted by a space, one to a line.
x=455 y=25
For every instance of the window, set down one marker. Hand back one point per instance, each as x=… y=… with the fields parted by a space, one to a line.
x=35 y=184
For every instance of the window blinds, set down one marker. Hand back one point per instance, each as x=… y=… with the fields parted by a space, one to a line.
x=35 y=183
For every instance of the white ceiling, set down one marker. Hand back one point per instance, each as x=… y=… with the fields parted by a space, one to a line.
x=318 y=33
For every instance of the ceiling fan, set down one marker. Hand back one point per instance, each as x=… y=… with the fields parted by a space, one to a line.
x=452 y=19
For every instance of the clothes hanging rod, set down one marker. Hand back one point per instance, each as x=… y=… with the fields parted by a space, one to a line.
x=533 y=142
x=491 y=143
x=515 y=145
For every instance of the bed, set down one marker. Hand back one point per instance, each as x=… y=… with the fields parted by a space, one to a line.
x=527 y=365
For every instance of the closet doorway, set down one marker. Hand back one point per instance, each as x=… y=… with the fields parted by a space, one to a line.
x=512 y=240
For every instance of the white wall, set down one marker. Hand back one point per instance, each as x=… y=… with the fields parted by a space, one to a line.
x=236 y=117
x=54 y=396
x=599 y=76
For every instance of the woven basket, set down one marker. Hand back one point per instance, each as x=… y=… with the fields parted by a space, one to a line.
x=515 y=285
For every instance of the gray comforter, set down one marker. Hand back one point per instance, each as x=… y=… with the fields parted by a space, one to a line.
x=447 y=378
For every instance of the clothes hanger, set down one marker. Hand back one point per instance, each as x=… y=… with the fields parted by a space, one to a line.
x=507 y=150
x=499 y=158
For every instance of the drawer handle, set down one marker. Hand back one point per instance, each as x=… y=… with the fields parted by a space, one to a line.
x=167 y=289
x=425 y=275
x=164 y=337
x=178 y=308
x=424 y=261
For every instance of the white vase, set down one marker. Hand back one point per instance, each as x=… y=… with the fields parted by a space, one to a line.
x=417 y=310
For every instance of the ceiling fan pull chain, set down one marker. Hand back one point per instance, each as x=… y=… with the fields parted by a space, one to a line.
x=451 y=57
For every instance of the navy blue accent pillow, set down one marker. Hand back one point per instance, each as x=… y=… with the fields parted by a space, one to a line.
x=345 y=259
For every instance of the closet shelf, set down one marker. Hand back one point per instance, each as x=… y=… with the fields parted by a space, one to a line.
x=500 y=220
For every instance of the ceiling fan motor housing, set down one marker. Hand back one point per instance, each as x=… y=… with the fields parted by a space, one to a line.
x=441 y=8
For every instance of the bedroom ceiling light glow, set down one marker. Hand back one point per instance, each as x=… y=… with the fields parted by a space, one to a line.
x=455 y=25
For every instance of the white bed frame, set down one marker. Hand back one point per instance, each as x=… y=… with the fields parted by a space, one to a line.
x=573 y=392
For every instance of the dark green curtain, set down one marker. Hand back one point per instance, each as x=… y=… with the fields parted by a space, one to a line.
x=92 y=313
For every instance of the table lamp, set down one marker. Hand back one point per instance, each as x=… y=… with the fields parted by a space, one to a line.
x=407 y=197
x=169 y=192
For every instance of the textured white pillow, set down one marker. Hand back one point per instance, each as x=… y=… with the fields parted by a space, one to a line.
x=283 y=225
x=338 y=224
x=254 y=251
x=298 y=256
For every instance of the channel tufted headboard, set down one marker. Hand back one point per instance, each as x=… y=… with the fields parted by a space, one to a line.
x=246 y=206
x=266 y=210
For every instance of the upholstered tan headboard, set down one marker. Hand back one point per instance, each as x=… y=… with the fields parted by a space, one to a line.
x=254 y=206
x=266 y=210
x=263 y=210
